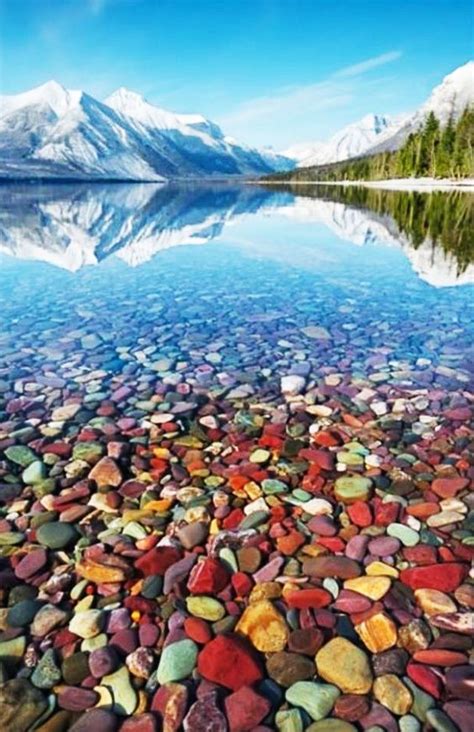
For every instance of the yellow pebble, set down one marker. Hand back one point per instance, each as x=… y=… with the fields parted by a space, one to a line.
x=378 y=632
x=372 y=587
x=380 y=568
x=264 y=626
x=136 y=615
x=214 y=527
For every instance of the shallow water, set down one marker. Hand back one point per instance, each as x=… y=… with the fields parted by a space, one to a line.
x=224 y=279
x=275 y=384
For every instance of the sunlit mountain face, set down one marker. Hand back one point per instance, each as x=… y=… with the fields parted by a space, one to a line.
x=73 y=226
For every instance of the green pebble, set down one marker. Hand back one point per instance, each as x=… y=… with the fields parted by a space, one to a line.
x=10 y=538
x=229 y=558
x=177 y=661
x=46 y=673
x=289 y=720
x=205 y=607
x=422 y=701
x=271 y=486
x=22 y=613
x=124 y=695
x=440 y=721
x=34 y=473
x=56 y=535
x=260 y=456
x=316 y=699
x=409 y=723
x=331 y=725
x=408 y=536
x=20 y=455
x=254 y=519
x=88 y=451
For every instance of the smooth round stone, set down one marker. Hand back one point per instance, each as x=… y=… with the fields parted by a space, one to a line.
x=260 y=456
x=76 y=699
x=460 y=682
x=32 y=563
x=102 y=661
x=264 y=626
x=408 y=536
x=384 y=546
x=177 y=661
x=372 y=587
x=409 y=723
x=351 y=488
x=75 y=668
x=20 y=455
x=289 y=720
x=342 y=663
x=46 y=619
x=56 y=535
x=86 y=624
x=205 y=607
x=440 y=721
x=288 y=668
x=315 y=698
x=22 y=613
x=393 y=661
x=351 y=707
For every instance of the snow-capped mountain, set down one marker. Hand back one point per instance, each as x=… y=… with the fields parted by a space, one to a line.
x=377 y=133
x=349 y=142
x=448 y=99
x=59 y=133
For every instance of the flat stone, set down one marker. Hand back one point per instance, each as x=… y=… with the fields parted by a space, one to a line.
x=372 y=587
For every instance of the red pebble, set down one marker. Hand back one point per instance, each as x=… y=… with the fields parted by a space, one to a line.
x=360 y=513
x=309 y=598
x=448 y=487
x=245 y=709
x=420 y=554
x=140 y=723
x=198 y=630
x=240 y=667
x=386 y=513
x=157 y=560
x=440 y=657
x=426 y=679
x=208 y=577
x=444 y=577
x=233 y=519
x=241 y=583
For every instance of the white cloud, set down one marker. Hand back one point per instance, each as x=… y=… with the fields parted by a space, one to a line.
x=290 y=112
x=369 y=64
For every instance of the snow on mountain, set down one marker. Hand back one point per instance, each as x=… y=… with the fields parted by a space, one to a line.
x=448 y=99
x=55 y=132
x=349 y=142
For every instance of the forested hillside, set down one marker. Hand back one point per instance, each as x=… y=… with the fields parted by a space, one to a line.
x=433 y=151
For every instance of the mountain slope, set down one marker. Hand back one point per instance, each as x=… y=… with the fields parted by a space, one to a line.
x=349 y=142
x=448 y=99
x=58 y=133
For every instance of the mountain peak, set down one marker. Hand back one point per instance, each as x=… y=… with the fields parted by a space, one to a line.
x=124 y=95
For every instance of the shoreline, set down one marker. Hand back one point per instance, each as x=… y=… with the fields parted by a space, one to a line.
x=391 y=184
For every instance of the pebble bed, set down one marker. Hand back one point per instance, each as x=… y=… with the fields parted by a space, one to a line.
x=235 y=498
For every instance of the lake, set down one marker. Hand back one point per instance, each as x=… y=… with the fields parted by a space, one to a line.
x=274 y=380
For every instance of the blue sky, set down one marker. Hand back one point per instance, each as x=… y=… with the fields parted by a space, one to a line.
x=269 y=71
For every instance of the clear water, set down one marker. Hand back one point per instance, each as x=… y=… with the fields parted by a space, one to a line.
x=220 y=282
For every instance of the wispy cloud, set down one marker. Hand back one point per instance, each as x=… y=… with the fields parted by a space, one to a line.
x=296 y=107
x=368 y=64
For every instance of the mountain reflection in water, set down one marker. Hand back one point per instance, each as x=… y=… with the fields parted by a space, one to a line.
x=71 y=226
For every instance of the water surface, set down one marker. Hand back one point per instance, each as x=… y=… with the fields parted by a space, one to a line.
x=219 y=284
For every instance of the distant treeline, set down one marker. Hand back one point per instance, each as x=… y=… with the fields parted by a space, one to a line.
x=445 y=220
x=433 y=151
